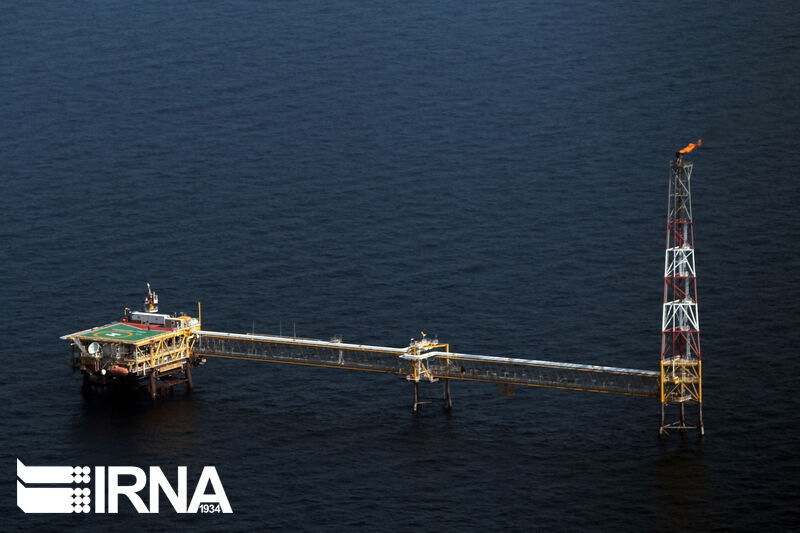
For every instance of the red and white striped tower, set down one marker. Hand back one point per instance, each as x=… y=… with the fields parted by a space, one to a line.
x=681 y=364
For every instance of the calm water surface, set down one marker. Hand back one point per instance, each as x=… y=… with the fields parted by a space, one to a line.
x=495 y=174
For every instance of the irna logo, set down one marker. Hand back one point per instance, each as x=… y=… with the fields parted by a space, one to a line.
x=66 y=489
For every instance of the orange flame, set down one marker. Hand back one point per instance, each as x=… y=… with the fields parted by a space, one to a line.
x=691 y=146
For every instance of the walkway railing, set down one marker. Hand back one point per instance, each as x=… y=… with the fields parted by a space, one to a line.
x=420 y=365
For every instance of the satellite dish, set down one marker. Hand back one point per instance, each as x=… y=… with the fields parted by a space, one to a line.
x=94 y=348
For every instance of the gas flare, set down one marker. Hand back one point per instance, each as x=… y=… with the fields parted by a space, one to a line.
x=691 y=146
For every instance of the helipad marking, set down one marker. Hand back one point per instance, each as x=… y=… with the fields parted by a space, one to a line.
x=113 y=333
x=122 y=333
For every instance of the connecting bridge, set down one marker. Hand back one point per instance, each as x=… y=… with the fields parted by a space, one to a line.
x=428 y=361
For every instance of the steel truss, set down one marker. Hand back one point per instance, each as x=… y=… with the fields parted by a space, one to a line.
x=681 y=365
x=424 y=361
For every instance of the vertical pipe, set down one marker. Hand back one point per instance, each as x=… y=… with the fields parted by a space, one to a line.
x=448 y=401
x=416 y=397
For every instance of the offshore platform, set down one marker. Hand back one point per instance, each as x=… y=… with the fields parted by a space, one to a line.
x=153 y=351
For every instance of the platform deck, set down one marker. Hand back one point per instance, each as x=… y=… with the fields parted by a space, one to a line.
x=118 y=332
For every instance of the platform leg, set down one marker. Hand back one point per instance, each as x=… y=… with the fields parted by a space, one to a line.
x=448 y=400
x=153 y=385
x=683 y=417
x=700 y=419
x=416 y=397
x=189 y=384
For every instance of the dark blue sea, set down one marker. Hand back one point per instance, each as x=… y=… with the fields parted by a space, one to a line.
x=492 y=173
